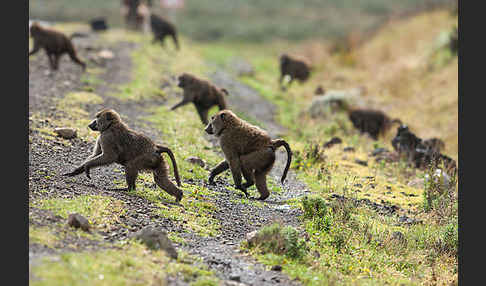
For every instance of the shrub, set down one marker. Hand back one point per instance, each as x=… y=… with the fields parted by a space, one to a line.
x=278 y=239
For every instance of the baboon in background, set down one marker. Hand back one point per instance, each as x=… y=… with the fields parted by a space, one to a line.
x=133 y=19
x=247 y=149
x=54 y=43
x=373 y=122
x=162 y=28
x=135 y=151
x=434 y=144
x=422 y=153
x=202 y=94
x=295 y=68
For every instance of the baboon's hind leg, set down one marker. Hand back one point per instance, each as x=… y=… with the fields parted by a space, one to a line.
x=162 y=180
x=255 y=167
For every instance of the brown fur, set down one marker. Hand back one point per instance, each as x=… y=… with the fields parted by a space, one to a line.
x=55 y=44
x=135 y=151
x=248 y=150
x=202 y=94
x=295 y=68
x=162 y=28
x=373 y=122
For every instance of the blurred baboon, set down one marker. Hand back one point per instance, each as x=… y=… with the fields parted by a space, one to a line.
x=135 y=151
x=434 y=144
x=133 y=18
x=98 y=24
x=294 y=68
x=247 y=149
x=202 y=94
x=422 y=153
x=54 y=43
x=162 y=28
x=373 y=122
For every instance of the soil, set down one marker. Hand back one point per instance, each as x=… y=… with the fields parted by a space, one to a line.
x=50 y=158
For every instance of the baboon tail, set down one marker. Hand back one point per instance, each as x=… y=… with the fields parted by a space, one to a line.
x=162 y=149
x=280 y=142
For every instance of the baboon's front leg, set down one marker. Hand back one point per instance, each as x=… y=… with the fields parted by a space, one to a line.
x=220 y=168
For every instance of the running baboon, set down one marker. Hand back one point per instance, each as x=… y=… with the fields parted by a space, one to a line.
x=54 y=43
x=373 y=122
x=247 y=149
x=162 y=28
x=295 y=68
x=202 y=93
x=135 y=151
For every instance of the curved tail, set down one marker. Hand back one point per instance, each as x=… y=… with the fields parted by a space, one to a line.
x=162 y=149
x=280 y=142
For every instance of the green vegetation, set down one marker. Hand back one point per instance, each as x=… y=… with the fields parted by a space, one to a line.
x=130 y=264
x=249 y=21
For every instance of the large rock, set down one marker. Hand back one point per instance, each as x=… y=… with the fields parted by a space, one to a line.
x=156 y=238
x=78 y=221
x=335 y=100
x=196 y=161
x=66 y=133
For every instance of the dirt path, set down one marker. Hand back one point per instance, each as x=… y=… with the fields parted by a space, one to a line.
x=49 y=158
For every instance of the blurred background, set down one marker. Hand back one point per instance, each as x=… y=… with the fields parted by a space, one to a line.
x=249 y=20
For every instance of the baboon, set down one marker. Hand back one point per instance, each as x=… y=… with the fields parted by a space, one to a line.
x=202 y=94
x=162 y=28
x=247 y=149
x=98 y=24
x=422 y=153
x=405 y=141
x=295 y=68
x=135 y=151
x=54 y=43
x=434 y=144
x=373 y=122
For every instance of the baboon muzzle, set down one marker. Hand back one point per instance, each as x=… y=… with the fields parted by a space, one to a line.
x=209 y=129
x=93 y=126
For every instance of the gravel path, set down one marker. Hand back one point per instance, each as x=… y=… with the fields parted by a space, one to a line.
x=49 y=158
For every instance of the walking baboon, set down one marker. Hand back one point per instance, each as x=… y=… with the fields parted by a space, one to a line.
x=162 y=28
x=405 y=141
x=54 y=43
x=295 y=68
x=135 y=151
x=202 y=94
x=373 y=122
x=247 y=149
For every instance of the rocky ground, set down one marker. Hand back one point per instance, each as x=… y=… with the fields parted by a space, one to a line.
x=50 y=158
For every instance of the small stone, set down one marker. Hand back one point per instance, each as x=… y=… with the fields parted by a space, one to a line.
x=106 y=54
x=196 y=161
x=348 y=149
x=156 y=238
x=235 y=277
x=361 y=162
x=277 y=268
x=66 y=133
x=78 y=221
x=332 y=142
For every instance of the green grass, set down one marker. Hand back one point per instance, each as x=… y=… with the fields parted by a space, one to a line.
x=254 y=21
x=131 y=264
